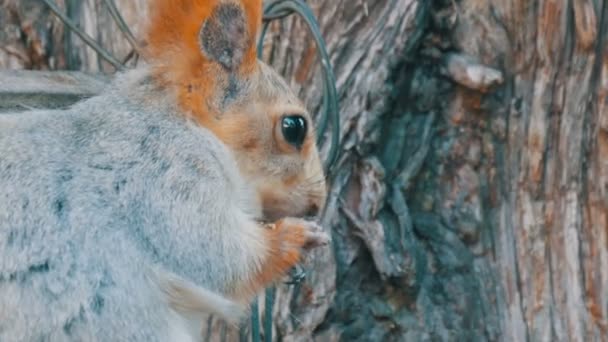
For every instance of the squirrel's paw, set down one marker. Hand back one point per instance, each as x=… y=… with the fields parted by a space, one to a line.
x=305 y=234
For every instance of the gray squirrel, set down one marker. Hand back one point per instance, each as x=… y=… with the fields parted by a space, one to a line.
x=175 y=193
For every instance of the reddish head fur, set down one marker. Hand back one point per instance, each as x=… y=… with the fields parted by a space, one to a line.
x=173 y=36
x=174 y=49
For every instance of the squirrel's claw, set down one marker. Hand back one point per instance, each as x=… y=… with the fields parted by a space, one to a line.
x=297 y=275
x=316 y=237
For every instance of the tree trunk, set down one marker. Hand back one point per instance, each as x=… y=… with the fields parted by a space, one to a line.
x=470 y=198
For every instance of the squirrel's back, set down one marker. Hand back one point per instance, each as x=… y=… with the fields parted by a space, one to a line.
x=84 y=213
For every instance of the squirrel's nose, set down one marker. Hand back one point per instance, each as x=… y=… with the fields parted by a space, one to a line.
x=313 y=210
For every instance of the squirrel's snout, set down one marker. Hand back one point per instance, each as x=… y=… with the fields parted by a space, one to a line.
x=312 y=210
x=278 y=205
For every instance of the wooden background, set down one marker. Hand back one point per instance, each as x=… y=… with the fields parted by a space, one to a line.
x=471 y=198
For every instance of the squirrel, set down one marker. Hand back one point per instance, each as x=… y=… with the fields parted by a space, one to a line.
x=183 y=189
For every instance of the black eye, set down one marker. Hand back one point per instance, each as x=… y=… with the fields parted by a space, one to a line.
x=294 y=129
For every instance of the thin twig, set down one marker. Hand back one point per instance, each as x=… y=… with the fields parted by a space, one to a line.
x=208 y=332
x=87 y=39
x=255 y=321
x=330 y=112
x=130 y=55
x=122 y=25
x=268 y=306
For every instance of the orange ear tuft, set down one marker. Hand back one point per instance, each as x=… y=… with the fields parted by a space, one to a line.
x=204 y=50
x=186 y=36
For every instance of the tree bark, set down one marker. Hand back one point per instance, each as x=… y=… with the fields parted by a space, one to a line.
x=470 y=198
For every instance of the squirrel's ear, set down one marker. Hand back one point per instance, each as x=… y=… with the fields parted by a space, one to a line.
x=224 y=37
x=227 y=36
x=183 y=35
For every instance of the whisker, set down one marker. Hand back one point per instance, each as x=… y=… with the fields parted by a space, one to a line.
x=313 y=178
x=319 y=175
x=310 y=184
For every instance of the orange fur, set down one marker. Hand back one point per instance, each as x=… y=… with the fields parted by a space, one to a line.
x=285 y=242
x=173 y=48
x=174 y=32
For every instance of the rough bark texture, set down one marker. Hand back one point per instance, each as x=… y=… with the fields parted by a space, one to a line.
x=471 y=194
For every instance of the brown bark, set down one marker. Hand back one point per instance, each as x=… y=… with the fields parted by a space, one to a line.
x=470 y=198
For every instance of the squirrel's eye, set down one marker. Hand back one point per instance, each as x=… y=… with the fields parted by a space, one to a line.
x=294 y=129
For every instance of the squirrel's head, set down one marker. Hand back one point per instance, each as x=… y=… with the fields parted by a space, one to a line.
x=205 y=52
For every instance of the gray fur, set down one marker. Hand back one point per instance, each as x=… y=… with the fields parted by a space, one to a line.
x=94 y=197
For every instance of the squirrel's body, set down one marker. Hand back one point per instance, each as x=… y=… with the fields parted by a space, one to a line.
x=105 y=174
x=134 y=213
